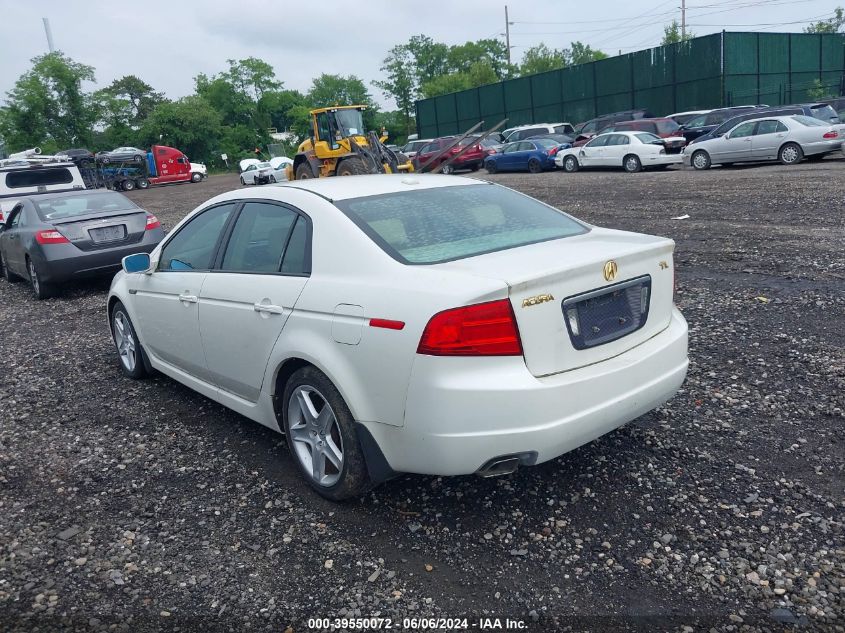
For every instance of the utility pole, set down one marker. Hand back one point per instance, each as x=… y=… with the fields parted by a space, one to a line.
x=49 y=34
x=508 y=34
x=683 y=20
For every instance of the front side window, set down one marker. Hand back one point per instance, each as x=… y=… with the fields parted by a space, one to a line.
x=259 y=238
x=599 y=141
x=436 y=225
x=746 y=129
x=193 y=246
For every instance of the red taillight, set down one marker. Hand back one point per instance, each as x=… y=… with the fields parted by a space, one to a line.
x=553 y=151
x=484 y=329
x=831 y=134
x=387 y=324
x=491 y=151
x=50 y=237
x=152 y=222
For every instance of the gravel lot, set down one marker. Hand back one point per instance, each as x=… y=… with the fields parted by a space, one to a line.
x=142 y=506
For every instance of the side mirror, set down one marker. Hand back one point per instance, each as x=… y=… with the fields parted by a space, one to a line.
x=137 y=263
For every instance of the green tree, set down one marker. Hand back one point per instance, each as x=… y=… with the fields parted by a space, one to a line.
x=252 y=77
x=47 y=106
x=278 y=104
x=831 y=25
x=191 y=124
x=492 y=51
x=430 y=58
x=328 y=90
x=819 y=91
x=579 y=53
x=138 y=94
x=541 y=58
x=394 y=123
x=672 y=34
x=400 y=80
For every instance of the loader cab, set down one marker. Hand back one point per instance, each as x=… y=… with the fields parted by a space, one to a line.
x=332 y=125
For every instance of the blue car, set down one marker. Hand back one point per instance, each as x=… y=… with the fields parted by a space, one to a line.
x=534 y=156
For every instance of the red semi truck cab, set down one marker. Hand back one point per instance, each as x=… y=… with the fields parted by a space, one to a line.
x=167 y=164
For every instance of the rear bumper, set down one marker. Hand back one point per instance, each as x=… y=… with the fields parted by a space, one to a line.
x=822 y=147
x=64 y=262
x=461 y=413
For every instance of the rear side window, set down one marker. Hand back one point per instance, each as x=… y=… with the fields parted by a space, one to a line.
x=430 y=226
x=521 y=134
x=38 y=177
x=193 y=246
x=809 y=121
x=296 y=261
x=259 y=238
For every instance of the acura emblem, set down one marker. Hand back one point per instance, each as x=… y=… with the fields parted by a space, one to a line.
x=610 y=270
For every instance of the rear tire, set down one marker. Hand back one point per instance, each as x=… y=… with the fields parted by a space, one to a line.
x=700 y=160
x=790 y=154
x=243 y=182
x=323 y=443
x=491 y=167
x=570 y=165
x=534 y=166
x=8 y=275
x=352 y=167
x=303 y=172
x=130 y=353
x=632 y=164
x=142 y=183
x=39 y=288
x=138 y=157
x=447 y=169
x=127 y=185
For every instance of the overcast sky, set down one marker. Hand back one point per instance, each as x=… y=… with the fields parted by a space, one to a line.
x=167 y=43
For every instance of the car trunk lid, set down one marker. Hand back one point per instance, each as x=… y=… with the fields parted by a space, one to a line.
x=100 y=230
x=570 y=313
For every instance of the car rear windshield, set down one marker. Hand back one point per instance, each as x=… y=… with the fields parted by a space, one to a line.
x=647 y=138
x=824 y=113
x=72 y=206
x=809 y=121
x=545 y=142
x=38 y=177
x=667 y=127
x=430 y=226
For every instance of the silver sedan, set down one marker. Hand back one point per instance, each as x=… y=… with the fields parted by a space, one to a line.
x=787 y=139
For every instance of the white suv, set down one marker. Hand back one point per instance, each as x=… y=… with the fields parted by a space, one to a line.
x=522 y=132
x=26 y=176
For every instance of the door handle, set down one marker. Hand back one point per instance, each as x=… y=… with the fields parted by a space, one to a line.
x=186 y=298
x=268 y=308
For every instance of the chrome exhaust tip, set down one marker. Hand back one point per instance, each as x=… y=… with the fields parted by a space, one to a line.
x=499 y=467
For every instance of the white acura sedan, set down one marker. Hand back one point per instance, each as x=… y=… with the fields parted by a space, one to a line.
x=406 y=324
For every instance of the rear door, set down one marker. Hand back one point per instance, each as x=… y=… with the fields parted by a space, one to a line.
x=767 y=139
x=248 y=297
x=166 y=302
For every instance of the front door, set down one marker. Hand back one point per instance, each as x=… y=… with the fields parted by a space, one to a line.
x=246 y=301
x=592 y=154
x=167 y=301
x=735 y=146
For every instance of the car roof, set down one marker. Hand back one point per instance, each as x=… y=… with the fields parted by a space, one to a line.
x=346 y=188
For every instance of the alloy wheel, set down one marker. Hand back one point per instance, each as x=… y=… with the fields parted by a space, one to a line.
x=33 y=278
x=315 y=435
x=789 y=154
x=125 y=341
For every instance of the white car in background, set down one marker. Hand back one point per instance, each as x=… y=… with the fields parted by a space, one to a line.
x=631 y=151
x=255 y=172
x=787 y=139
x=406 y=324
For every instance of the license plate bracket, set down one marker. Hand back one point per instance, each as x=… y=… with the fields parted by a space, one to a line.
x=107 y=233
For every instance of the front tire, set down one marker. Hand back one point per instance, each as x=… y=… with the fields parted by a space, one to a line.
x=130 y=353
x=790 y=154
x=303 y=172
x=491 y=167
x=243 y=182
x=321 y=436
x=39 y=288
x=8 y=275
x=570 y=164
x=534 y=166
x=701 y=160
x=142 y=183
x=352 y=167
x=196 y=177
x=632 y=164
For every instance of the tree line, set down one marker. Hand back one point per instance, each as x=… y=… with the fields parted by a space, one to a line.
x=231 y=112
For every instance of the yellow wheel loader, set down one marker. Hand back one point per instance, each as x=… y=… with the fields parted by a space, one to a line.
x=339 y=146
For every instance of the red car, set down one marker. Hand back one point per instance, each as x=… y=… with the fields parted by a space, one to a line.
x=471 y=159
